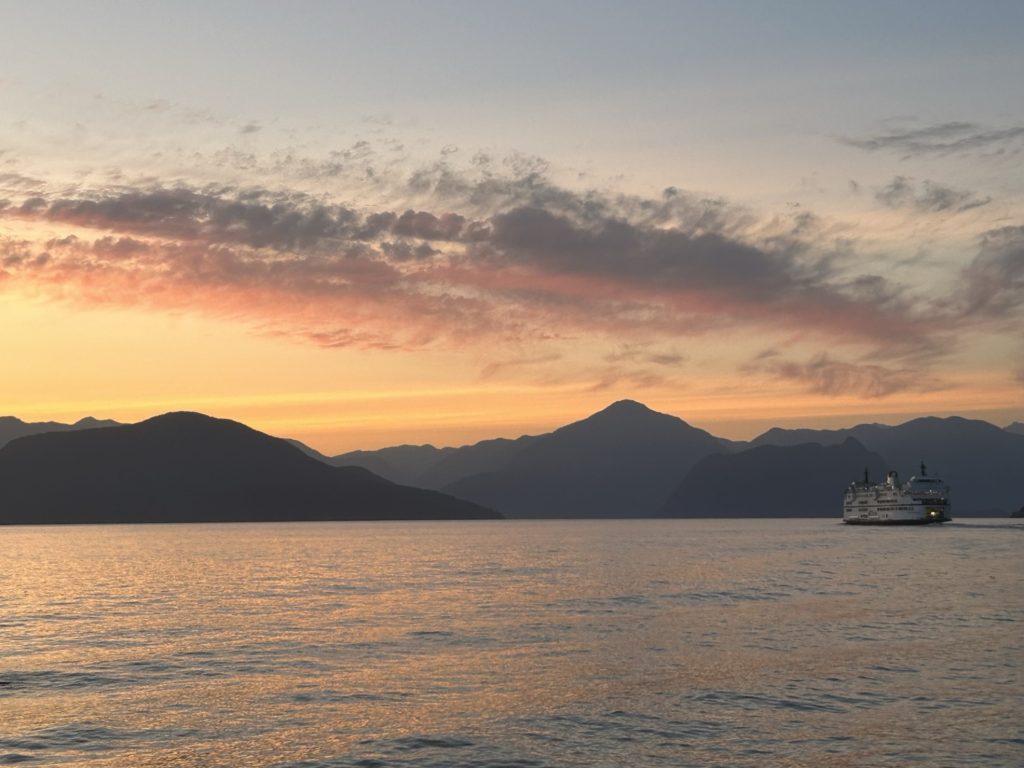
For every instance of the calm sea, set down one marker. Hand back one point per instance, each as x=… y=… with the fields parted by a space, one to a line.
x=516 y=644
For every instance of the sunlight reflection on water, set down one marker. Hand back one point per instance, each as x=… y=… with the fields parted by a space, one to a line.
x=527 y=643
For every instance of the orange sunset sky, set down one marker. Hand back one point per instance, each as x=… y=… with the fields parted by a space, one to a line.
x=360 y=227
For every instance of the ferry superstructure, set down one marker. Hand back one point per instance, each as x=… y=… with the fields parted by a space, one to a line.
x=922 y=499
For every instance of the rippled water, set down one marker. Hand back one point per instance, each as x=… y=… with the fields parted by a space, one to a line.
x=588 y=643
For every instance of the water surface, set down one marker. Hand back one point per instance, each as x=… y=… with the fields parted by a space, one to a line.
x=521 y=643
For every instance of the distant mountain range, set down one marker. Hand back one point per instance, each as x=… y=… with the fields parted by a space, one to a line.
x=425 y=466
x=624 y=461
x=982 y=463
x=630 y=461
x=12 y=428
x=803 y=480
x=186 y=467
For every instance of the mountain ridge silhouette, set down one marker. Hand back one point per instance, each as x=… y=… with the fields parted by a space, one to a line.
x=628 y=460
x=188 y=467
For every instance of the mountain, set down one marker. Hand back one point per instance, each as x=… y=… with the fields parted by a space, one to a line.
x=187 y=467
x=733 y=446
x=789 y=437
x=12 y=428
x=1017 y=428
x=313 y=453
x=425 y=466
x=981 y=462
x=482 y=457
x=620 y=462
x=805 y=480
x=405 y=464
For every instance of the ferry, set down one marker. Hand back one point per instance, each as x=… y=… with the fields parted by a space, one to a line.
x=922 y=499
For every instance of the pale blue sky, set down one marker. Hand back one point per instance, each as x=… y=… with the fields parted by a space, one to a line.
x=713 y=96
x=865 y=60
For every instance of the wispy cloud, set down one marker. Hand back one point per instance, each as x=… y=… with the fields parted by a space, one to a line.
x=823 y=374
x=643 y=354
x=928 y=196
x=944 y=139
x=502 y=366
x=16 y=182
x=992 y=285
x=631 y=379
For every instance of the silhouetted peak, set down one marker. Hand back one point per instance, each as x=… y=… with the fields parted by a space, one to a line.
x=90 y=421
x=623 y=422
x=944 y=424
x=936 y=420
x=190 y=425
x=86 y=422
x=626 y=406
x=623 y=412
x=957 y=420
x=187 y=419
x=180 y=416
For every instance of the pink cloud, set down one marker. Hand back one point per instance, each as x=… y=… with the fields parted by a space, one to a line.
x=338 y=277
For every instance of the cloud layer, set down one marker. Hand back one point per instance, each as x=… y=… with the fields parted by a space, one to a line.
x=544 y=261
x=491 y=257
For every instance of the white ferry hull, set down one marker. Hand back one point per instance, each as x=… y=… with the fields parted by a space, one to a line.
x=922 y=501
x=908 y=521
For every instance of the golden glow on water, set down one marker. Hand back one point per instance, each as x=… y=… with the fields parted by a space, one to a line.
x=575 y=643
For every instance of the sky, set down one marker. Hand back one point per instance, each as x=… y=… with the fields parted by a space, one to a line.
x=365 y=224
